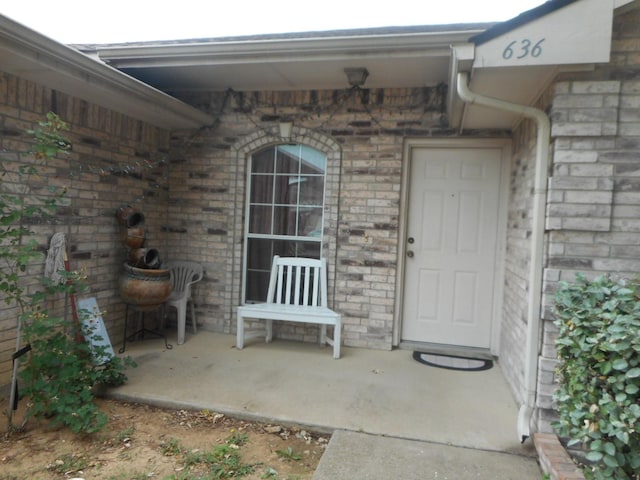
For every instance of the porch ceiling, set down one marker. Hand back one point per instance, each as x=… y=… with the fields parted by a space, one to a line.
x=522 y=86
x=396 y=57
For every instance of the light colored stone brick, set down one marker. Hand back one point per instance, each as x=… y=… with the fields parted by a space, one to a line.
x=591 y=87
x=565 y=210
x=591 y=170
x=630 y=129
x=573 y=183
x=591 y=115
x=589 y=197
x=573 y=129
x=587 y=224
x=571 y=101
x=629 y=105
x=575 y=156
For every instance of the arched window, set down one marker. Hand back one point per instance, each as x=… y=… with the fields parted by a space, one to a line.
x=285 y=209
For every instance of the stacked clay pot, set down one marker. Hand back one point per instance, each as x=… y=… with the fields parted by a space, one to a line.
x=143 y=283
x=133 y=235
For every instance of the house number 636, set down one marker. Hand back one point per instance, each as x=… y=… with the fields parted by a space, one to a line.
x=522 y=49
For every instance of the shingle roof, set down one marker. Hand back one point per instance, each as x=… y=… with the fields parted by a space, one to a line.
x=356 y=32
x=525 y=17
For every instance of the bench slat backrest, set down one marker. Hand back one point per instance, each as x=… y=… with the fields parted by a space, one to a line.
x=298 y=281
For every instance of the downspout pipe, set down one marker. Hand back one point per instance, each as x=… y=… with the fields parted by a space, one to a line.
x=543 y=140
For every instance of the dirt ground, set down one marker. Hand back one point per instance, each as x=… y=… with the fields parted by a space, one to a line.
x=143 y=442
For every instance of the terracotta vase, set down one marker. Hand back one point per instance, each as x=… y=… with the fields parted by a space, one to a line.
x=136 y=257
x=145 y=288
x=133 y=237
x=152 y=259
x=129 y=217
x=144 y=258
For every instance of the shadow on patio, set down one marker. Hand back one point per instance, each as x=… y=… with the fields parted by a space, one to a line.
x=377 y=392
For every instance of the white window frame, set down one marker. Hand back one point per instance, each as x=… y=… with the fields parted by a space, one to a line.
x=291 y=238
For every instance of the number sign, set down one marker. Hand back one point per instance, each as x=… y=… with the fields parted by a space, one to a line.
x=519 y=49
x=579 y=32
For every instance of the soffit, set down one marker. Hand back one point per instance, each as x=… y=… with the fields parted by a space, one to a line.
x=516 y=60
x=403 y=57
x=394 y=57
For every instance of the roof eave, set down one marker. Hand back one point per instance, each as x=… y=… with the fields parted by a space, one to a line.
x=33 y=56
x=267 y=49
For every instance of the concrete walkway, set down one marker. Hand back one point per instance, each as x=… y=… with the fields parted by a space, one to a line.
x=353 y=455
x=392 y=416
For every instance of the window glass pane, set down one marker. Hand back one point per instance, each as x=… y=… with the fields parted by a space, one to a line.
x=310 y=222
x=260 y=219
x=286 y=199
x=287 y=160
x=260 y=254
x=260 y=251
x=284 y=220
x=307 y=249
x=257 y=286
x=313 y=161
x=286 y=190
x=261 y=189
x=263 y=162
x=311 y=190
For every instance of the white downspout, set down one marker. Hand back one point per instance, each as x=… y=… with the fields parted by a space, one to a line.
x=537 y=241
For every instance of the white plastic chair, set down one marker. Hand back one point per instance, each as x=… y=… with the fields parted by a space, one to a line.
x=183 y=275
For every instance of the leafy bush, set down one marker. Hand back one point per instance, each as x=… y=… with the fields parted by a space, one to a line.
x=599 y=348
x=60 y=373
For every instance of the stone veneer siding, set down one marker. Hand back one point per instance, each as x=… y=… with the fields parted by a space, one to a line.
x=115 y=160
x=513 y=333
x=593 y=210
x=593 y=201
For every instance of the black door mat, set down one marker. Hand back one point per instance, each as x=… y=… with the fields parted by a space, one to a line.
x=453 y=362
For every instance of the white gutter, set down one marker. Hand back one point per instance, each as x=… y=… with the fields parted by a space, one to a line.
x=537 y=241
x=288 y=48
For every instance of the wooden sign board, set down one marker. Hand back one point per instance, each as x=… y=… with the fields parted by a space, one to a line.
x=99 y=337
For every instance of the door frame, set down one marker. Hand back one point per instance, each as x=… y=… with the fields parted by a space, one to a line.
x=410 y=144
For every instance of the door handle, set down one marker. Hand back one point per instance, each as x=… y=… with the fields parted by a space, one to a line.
x=410 y=254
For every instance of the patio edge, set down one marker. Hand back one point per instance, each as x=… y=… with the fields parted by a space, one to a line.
x=554 y=459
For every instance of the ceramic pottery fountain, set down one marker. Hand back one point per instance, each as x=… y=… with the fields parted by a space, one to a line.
x=143 y=283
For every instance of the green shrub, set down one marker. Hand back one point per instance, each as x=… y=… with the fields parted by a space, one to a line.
x=599 y=348
x=60 y=373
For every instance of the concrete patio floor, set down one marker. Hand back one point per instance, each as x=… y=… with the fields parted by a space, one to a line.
x=382 y=393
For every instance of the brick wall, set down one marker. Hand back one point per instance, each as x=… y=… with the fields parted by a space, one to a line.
x=362 y=132
x=593 y=215
x=115 y=160
x=191 y=187
x=513 y=333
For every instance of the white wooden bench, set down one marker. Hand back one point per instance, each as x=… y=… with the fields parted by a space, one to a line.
x=297 y=293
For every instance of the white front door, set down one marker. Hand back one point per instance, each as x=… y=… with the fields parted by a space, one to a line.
x=451 y=247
